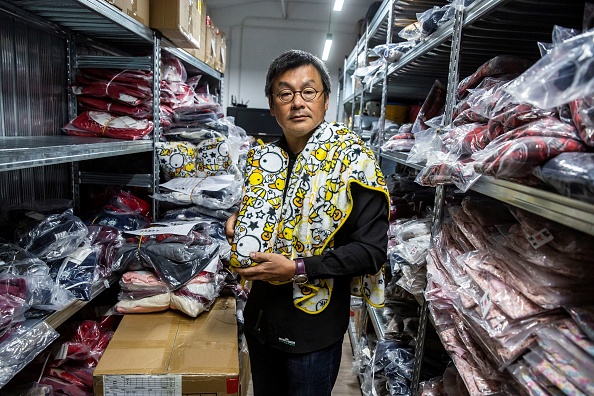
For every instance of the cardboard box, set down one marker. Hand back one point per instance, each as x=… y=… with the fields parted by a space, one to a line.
x=210 y=47
x=220 y=61
x=168 y=349
x=137 y=9
x=180 y=20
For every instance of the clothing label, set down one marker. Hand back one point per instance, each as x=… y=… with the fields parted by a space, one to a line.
x=539 y=238
x=142 y=385
x=485 y=304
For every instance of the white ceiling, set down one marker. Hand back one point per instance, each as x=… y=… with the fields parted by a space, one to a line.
x=318 y=10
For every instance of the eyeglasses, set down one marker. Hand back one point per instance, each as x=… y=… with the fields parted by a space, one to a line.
x=308 y=94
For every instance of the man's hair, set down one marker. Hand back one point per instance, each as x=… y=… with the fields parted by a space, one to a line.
x=293 y=59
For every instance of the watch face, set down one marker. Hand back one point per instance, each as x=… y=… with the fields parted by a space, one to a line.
x=300 y=279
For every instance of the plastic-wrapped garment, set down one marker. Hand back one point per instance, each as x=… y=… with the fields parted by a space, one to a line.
x=156 y=303
x=191 y=135
x=522 y=373
x=476 y=383
x=412 y=32
x=432 y=387
x=107 y=239
x=193 y=212
x=426 y=143
x=509 y=300
x=103 y=124
x=175 y=263
x=223 y=198
x=42 y=292
x=127 y=203
x=172 y=70
x=515 y=116
x=571 y=270
x=177 y=273
x=573 y=333
x=519 y=158
x=582 y=114
x=433 y=18
x=127 y=94
x=442 y=169
x=121 y=221
x=22 y=345
x=399 y=143
x=140 y=284
x=464 y=139
x=141 y=111
x=471 y=230
x=584 y=317
x=177 y=159
x=13 y=304
x=571 y=361
x=393 y=52
x=55 y=237
x=476 y=355
x=177 y=94
x=543 y=366
x=498 y=66
x=197 y=296
x=77 y=272
x=561 y=76
x=570 y=174
x=140 y=77
x=196 y=114
x=432 y=107
x=574 y=244
x=469 y=116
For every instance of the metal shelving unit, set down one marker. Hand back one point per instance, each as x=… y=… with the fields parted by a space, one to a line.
x=485 y=29
x=99 y=28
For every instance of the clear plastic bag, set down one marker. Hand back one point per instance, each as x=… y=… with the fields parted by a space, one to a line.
x=561 y=76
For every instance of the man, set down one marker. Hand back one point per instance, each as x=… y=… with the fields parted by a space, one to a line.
x=314 y=215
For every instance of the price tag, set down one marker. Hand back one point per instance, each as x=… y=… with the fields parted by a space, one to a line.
x=539 y=238
x=485 y=304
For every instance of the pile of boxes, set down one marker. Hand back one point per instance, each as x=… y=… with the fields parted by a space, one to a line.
x=185 y=23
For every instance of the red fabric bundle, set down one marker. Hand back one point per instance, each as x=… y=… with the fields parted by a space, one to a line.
x=141 y=111
x=102 y=124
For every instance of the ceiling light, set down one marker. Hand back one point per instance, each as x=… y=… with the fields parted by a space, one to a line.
x=327 y=46
x=338 y=5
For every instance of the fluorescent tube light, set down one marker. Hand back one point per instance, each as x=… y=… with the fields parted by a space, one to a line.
x=338 y=5
x=327 y=46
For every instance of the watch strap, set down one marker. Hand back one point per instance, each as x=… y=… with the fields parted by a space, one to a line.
x=299 y=266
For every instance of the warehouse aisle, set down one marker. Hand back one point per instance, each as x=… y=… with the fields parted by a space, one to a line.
x=347 y=383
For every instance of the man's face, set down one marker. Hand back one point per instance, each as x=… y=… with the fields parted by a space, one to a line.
x=299 y=118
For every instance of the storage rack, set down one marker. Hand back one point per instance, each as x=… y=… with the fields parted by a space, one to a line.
x=34 y=150
x=483 y=30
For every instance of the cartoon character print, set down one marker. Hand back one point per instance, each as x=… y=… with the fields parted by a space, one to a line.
x=214 y=158
x=176 y=159
x=256 y=228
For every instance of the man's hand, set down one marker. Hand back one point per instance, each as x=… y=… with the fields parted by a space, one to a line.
x=271 y=267
x=230 y=227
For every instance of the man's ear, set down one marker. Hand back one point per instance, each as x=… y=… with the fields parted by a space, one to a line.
x=271 y=106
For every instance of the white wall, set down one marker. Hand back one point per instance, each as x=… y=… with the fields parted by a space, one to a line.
x=257 y=33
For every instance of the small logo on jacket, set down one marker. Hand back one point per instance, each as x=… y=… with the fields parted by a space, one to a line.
x=287 y=341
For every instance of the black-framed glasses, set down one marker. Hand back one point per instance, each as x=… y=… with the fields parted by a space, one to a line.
x=308 y=94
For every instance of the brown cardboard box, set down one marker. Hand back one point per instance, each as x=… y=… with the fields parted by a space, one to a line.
x=180 y=20
x=200 y=354
x=210 y=47
x=137 y=9
x=220 y=51
x=200 y=53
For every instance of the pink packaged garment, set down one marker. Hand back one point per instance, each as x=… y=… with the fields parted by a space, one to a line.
x=102 y=124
